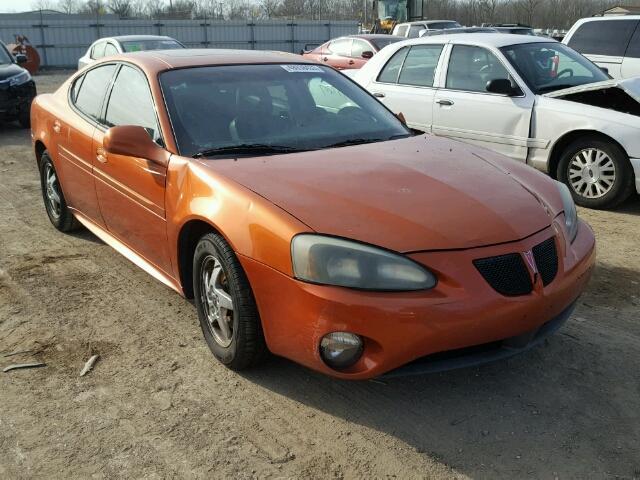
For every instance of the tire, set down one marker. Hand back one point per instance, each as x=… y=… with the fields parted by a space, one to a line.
x=57 y=211
x=241 y=345
x=602 y=175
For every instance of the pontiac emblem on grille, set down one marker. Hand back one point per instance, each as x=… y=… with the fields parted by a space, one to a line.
x=528 y=255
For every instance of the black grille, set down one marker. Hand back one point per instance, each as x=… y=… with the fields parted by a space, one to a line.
x=507 y=274
x=546 y=258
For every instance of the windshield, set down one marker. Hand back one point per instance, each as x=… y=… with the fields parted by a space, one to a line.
x=546 y=67
x=380 y=43
x=140 y=45
x=444 y=25
x=283 y=107
x=5 y=57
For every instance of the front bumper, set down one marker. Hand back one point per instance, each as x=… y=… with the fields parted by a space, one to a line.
x=401 y=327
x=13 y=100
x=635 y=162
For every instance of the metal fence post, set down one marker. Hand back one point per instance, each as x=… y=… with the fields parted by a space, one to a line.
x=293 y=37
x=252 y=30
x=42 y=41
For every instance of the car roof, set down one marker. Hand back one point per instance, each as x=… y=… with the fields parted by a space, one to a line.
x=426 y=22
x=131 y=38
x=485 y=39
x=609 y=18
x=370 y=36
x=159 y=60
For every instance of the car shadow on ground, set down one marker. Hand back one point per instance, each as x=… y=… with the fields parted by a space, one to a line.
x=542 y=414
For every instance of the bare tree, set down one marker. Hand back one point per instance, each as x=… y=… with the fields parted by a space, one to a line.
x=122 y=8
x=68 y=6
x=269 y=8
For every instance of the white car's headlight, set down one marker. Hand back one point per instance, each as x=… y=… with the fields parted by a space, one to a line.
x=570 y=212
x=19 y=79
x=345 y=263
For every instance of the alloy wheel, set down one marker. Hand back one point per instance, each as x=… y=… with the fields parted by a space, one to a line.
x=217 y=301
x=52 y=191
x=592 y=173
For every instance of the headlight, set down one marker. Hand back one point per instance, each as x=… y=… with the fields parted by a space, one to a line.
x=19 y=79
x=570 y=213
x=344 y=263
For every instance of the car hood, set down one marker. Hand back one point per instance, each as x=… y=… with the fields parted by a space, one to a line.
x=8 y=70
x=630 y=85
x=415 y=194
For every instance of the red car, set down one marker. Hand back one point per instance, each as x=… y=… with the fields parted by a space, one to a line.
x=352 y=51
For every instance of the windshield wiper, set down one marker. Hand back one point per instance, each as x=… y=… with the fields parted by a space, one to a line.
x=360 y=141
x=244 y=149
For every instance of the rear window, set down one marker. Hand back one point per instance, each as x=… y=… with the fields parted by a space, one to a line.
x=603 y=37
x=140 y=45
x=444 y=25
x=88 y=99
x=380 y=43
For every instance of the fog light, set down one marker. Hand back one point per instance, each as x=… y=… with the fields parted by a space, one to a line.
x=341 y=349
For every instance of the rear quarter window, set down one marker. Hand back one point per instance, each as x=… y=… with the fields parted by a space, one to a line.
x=603 y=37
x=89 y=96
x=634 y=45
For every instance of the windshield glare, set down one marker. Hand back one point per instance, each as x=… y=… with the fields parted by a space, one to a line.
x=546 y=67
x=141 y=45
x=296 y=107
x=5 y=57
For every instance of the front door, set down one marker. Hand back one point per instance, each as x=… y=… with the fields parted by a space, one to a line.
x=131 y=191
x=463 y=109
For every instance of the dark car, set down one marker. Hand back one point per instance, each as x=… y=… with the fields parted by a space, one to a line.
x=352 y=51
x=17 y=88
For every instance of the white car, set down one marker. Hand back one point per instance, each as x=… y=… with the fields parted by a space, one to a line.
x=609 y=42
x=108 y=46
x=530 y=98
x=413 y=29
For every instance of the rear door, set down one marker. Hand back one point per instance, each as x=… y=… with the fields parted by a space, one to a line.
x=338 y=53
x=463 y=109
x=631 y=62
x=131 y=190
x=406 y=84
x=74 y=136
x=604 y=42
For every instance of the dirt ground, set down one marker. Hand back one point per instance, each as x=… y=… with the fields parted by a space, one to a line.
x=157 y=405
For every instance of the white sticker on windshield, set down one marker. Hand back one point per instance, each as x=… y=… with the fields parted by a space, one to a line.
x=302 y=68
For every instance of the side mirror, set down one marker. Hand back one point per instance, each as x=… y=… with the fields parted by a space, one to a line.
x=400 y=116
x=21 y=58
x=367 y=54
x=605 y=70
x=134 y=141
x=502 y=86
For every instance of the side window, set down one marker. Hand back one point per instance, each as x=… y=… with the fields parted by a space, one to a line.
x=359 y=47
x=419 y=68
x=90 y=94
x=110 y=50
x=130 y=102
x=603 y=37
x=634 y=45
x=414 y=30
x=471 y=68
x=341 y=47
x=75 y=88
x=98 y=50
x=402 y=30
x=389 y=73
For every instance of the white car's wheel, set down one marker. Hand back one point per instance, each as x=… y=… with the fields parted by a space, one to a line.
x=597 y=172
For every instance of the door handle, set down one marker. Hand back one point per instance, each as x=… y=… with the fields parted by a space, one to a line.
x=325 y=59
x=100 y=155
x=446 y=103
x=378 y=94
x=56 y=126
x=351 y=62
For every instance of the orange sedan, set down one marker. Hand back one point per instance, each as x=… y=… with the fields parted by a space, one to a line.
x=304 y=218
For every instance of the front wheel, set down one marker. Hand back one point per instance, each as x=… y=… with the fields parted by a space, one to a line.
x=226 y=307
x=597 y=172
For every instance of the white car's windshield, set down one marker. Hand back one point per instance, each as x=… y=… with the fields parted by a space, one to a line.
x=265 y=109
x=140 y=45
x=4 y=55
x=551 y=66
